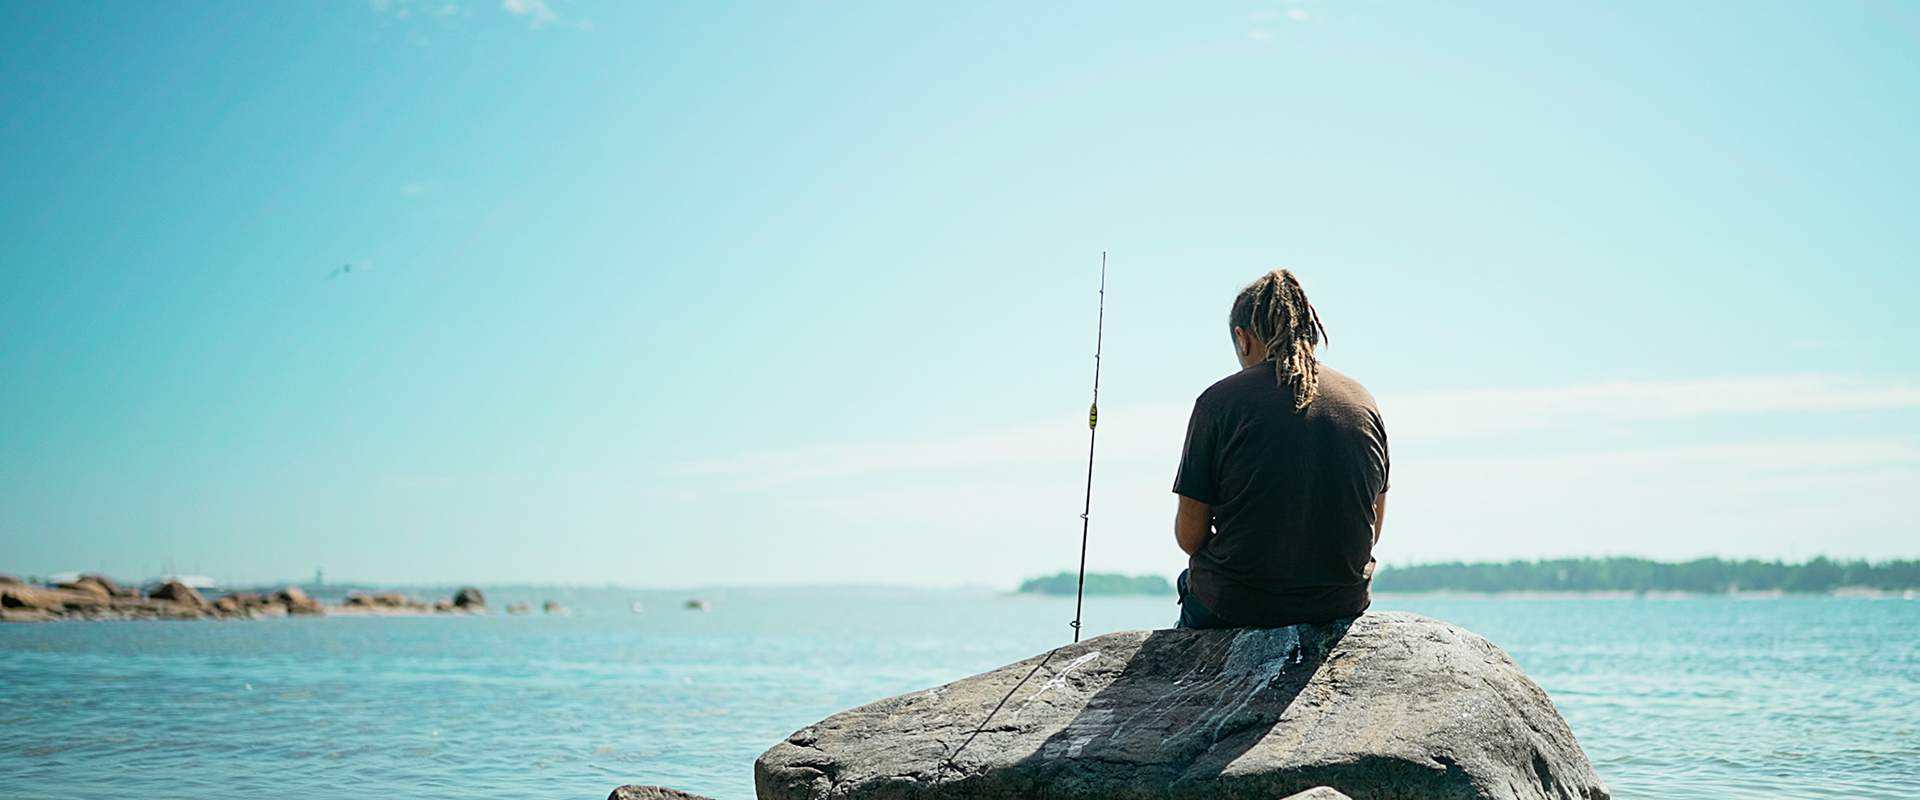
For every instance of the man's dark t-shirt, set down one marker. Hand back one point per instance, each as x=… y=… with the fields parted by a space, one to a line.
x=1292 y=497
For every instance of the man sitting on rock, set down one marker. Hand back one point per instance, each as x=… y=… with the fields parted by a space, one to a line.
x=1283 y=479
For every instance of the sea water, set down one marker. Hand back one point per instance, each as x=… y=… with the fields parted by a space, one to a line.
x=1783 y=698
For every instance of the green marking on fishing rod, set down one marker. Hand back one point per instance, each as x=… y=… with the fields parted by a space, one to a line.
x=1093 y=433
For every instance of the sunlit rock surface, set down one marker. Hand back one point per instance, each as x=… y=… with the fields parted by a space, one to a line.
x=1393 y=705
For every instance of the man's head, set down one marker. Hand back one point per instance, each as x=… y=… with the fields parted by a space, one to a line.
x=1272 y=320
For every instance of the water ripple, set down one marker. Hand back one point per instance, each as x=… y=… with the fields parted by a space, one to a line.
x=1789 y=698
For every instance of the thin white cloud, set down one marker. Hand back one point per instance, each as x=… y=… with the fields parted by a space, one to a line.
x=1127 y=433
x=1030 y=444
x=1778 y=499
x=1439 y=415
x=1003 y=504
x=1155 y=432
x=537 y=12
x=402 y=9
x=1774 y=500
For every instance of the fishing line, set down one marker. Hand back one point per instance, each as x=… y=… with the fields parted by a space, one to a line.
x=1093 y=433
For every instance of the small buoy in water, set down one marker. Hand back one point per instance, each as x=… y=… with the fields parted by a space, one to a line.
x=697 y=604
x=638 y=608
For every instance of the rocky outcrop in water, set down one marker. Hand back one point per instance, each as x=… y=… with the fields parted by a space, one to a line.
x=291 y=600
x=87 y=599
x=97 y=584
x=391 y=603
x=180 y=593
x=297 y=601
x=1392 y=705
x=388 y=601
x=95 y=596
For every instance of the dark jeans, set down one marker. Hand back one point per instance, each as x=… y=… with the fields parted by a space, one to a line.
x=1192 y=614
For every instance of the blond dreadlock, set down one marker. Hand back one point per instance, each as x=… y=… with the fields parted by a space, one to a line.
x=1275 y=310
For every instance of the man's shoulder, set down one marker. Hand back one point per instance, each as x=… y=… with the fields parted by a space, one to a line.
x=1334 y=383
x=1255 y=379
x=1258 y=382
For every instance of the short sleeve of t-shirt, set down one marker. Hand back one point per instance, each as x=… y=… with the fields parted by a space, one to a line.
x=1386 y=462
x=1195 y=478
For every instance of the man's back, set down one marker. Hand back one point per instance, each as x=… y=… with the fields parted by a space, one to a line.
x=1292 y=495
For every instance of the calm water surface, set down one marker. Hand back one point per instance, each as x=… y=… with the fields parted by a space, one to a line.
x=1803 y=698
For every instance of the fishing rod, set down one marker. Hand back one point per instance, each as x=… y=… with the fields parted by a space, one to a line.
x=1093 y=433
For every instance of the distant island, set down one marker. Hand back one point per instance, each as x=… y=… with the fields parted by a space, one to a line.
x=1703 y=576
x=1099 y=584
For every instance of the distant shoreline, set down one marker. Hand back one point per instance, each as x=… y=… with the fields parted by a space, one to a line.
x=93 y=596
x=1843 y=593
x=1705 y=576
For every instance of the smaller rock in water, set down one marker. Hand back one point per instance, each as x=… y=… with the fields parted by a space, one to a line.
x=382 y=602
x=553 y=607
x=517 y=608
x=177 y=592
x=113 y=588
x=1318 y=793
x=637 y=792
x=297 y=601
x=470 y=598
x=87 y=585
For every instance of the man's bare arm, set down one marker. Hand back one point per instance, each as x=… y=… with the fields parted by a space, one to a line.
x=1191 y=524
x=1379 y=515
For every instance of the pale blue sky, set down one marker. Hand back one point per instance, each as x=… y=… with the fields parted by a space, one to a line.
x=804 y=292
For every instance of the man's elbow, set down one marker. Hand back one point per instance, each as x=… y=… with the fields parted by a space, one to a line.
x=1188 y=544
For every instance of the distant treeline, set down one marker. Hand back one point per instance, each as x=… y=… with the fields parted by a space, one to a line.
x=1707 y=575
x=1099 y=585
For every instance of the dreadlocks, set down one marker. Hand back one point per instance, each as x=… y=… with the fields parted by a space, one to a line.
x=1275 y=310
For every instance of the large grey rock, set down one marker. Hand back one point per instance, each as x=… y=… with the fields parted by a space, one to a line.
x=1391 y=706
x=470 y=598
